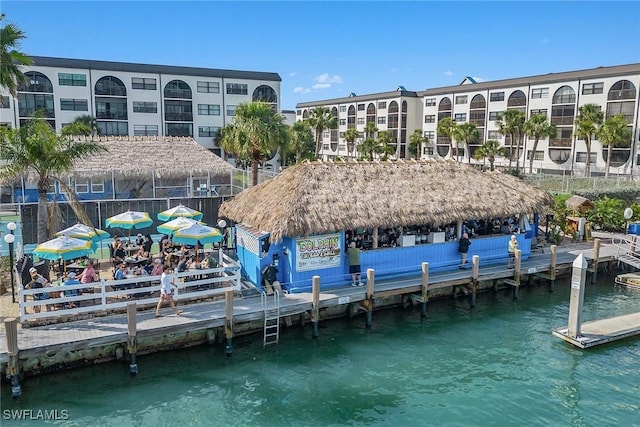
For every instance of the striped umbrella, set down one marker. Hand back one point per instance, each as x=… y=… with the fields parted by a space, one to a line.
x=64 y=248
x=179 y=211
x=175 y=224
x=195 y=233
x=84 y=232
x=129 y=220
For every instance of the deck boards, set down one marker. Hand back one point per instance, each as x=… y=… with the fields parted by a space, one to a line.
x=602 y=331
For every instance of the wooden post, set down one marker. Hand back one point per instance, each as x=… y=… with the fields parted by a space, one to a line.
x=552 y=273
x=368 y=301
x=315 y=305
x=133 y=340
x=516 y=272
x=374 y=238
x=474 y=278
x=228 y=325
x=425 y=284
x=578 y=277
x=11 y=328
x=596 y=256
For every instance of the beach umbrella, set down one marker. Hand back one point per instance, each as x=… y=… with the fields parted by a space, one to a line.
x=195 y=233
x=84 y=232
x=129 y=220
x=64 y=248
x=175 y=224
x=179 y=211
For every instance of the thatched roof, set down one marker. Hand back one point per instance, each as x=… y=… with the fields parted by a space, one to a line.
x=132 y=156
x=314 y=198
x=578 y=202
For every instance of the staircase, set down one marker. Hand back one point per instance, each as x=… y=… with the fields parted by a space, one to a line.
x=271 y=306
x=628 y=249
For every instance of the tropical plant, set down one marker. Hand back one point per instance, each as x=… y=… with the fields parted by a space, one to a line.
x=614 y=132
x=302 y=143
x=257 y=130
x=370 y=130
x=386 y=143
x=588 y=122
x=83 y=125
x=489 y=150
x=321 y=118
x=416 y=139
x=11 y=59
x=608 y=213
x=36 y=148
x=511 y=123
x=464 y=134
x=350 y=136
x=445 y=129
x=538 y=127
x=368 y=148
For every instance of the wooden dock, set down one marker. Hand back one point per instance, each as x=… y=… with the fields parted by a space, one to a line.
x=57 y=342
x=602 y=331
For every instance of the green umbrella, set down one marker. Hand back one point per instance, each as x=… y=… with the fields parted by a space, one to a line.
x=179 y=211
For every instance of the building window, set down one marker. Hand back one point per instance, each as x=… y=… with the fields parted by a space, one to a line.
x=29 y=103
x=343 y=108
x=460 y=117
x=427 y=151
x=143 y=83
x=111 y=108
x=110 y=86
x=430 y=118
x=592 y=88
x=382 y=120
x=236 y=89
x=538 y=93
x=536 y=112
x=298 y=112
x=564 y=95
x=82 y=186
x=382 y=105
x=179 y=129
x=517 y=99
x=113 y=128
x=461 y=99
x=477 y=117
x=74 y=105
x=430 y=135
x=494 y=134
x=178 y=111
x=209 y=87
x=208 y=109
x=496 y=96
x=625 y=108
x=539 y=155
x=208 y=131
x=177 y=89
x=430 y=102
x=623 y=89
x=145 y=130
x=68 y=79
x=97 y=187
x=145 y=107
x=264 y=93
x=361 y=107
x=343 y=122
x=4 y=102
x=494 y=115
x=360 y=120
x=231 y=110
x=581 y=157
x=562 y=114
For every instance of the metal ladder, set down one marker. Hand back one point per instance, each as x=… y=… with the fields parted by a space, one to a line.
x=271 y=318
x=628 y=250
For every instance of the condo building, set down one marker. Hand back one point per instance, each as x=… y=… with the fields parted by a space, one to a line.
x=557 y=95
x=130 y=99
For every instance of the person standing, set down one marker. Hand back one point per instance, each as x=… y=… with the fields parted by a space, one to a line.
x=166 y=292
x=513 y=245
x=463 y=248
x=353 y=256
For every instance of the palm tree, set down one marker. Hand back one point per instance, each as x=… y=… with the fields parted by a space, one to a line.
x=466 y=133
x=416 y=139
x=36 y=148
x=538 y=127
x=588 y=122
x=368 y=147
x=11 y=59
x=321 y=118
x=257 y=130
x=614 y=131
x=385 y=144
x=445 y=128
x=350 y=136
x=490 y=150
x=511 y=122
x=301 y=140
x=370 y=130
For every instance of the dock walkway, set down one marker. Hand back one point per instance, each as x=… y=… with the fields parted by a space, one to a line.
x=100 y=331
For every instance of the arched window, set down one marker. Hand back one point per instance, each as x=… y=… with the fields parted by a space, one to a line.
x=392 y=115
x=478 y=102
x=621 y=99
x=351 y=117
x=35 y=82
x=178 y=108
x=265 y=93
x=517 y=99
x=371 y=113
x=564 y=95
x=177 y=89
x=334 y=131
x=563 y=110
x=393 y=107
x=623 y=89
x=110 y=86
x=305 y=114
x=404 y=106
x=477 y=116
x=36 y=94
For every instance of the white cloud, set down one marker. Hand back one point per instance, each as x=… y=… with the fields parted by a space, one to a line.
x=301 y=90
x=292 y=74
x=326 y=78
x=321 y=86
x=448 y=73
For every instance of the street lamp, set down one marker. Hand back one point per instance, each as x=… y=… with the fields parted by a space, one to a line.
x=10 y=238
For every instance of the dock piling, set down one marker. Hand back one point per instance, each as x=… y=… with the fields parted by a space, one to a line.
x=133 y=340
x=11 y=328
x=517 y=264
x=368 y=301
x=315 y=305
x=552 y=272
x=475 y=261
x=578 y=278
x=596 y=256
x=228 y=324
x=425 y=284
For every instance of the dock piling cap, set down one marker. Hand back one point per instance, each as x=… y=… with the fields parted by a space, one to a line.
x=580 y=262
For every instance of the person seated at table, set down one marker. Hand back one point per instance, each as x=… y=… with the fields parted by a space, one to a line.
x=119 y=253
x=505 y=228
x=139 y=239
x=121 y=272
x=157 y=267
x=210 y=261
x=38 y=281
x=146 y=247
x=88 y=275
x=71 y=280
x=183 y=264
x=148 y=266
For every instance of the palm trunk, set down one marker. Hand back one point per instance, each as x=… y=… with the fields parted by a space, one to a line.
x=587 y=163
x=42 y=233
x=518 y=155
x=609 y=152
x=254 y=169
x=533 y=154
x=511 y=150
x=468 y=148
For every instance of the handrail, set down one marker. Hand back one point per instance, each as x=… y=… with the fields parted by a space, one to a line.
x=630 y=246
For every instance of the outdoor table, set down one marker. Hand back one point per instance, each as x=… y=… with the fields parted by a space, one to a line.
x=131 y=249
x=135 y=261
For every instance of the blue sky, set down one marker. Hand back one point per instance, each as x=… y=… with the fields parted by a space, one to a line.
x=329 y=49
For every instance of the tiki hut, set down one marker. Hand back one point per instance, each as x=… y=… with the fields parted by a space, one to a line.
x=310 y=205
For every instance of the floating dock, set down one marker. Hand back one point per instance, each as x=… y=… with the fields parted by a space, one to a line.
x=602 y=331
x=631 y=280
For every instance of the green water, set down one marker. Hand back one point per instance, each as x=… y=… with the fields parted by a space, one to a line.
x=494 y=365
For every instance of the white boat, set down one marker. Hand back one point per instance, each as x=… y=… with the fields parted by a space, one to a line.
x=628 y=279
